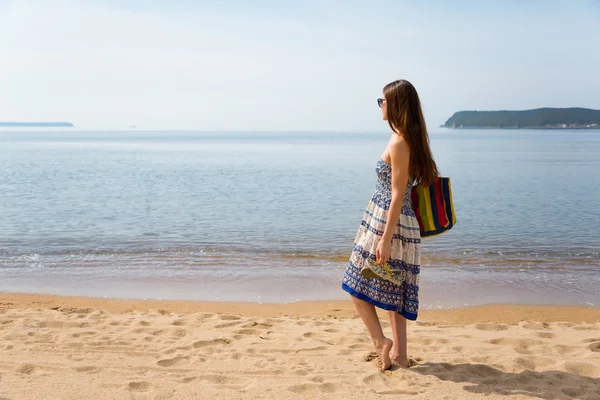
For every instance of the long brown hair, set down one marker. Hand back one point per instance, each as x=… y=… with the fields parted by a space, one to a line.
x=406 y=118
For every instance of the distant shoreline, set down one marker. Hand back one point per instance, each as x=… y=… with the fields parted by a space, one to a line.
x=36 y=125
x=541 y=118
x=552 y=128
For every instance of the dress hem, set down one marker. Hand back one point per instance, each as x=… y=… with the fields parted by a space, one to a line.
x=387 y=307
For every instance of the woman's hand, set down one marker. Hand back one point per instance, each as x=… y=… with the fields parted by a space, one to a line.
x=384 y=251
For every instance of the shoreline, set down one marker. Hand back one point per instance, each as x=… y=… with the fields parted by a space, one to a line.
x=497 y=313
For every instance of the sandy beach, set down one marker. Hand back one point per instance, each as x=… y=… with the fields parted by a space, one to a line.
x=86 y=348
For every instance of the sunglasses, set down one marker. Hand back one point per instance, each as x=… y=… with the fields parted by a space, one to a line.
x=380 y=102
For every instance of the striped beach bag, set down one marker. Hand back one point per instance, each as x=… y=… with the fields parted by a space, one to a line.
x=433 y=207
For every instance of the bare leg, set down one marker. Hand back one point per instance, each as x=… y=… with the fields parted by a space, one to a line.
x=398 y=353
x=369 y=317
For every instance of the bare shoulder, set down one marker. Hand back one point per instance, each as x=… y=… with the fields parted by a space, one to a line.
x=399 y=147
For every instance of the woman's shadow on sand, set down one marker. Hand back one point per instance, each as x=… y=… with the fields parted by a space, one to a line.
x=485 y=380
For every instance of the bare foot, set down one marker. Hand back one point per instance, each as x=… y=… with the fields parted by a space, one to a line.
x=383 y=351
x=397 y=360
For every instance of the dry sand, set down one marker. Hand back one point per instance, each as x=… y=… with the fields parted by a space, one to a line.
x=83 y=348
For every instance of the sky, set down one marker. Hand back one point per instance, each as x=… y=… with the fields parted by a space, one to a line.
x=306 y=65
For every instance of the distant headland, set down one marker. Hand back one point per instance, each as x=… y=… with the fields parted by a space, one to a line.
x=541 y=118
x=36 y=125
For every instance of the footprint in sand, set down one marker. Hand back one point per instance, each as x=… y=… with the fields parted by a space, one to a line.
x=140 y=386
x=590 y=340
x=545 y=335
x=91 y=333
x=584 y=328
x=517 y=343
x=229 y=318
x=205 y=316
x=227 y=325
x=87 y=369
x=565 y=350
x=536 y=326
x=69 y=310
x=326 y=323
x=374 y=379
x=223 y=380
x=51 y=324
x=266 y=336
x=595 y=347
x=169 y=362
x=301 y=372
x=258 y=325
x=260 y=364
x=204 y=343
x=247 y=332
x=491 y=326
x=312 y=389
x=27 y=369
x=179 y=333
x=83 y=311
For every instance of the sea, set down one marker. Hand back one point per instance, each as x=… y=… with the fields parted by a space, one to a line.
x=270 y=217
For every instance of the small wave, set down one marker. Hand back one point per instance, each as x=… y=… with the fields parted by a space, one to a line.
x=212 y=254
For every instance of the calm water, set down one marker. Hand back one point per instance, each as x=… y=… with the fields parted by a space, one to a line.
x=270 y=217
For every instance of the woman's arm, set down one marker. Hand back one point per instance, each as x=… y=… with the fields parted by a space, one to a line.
x=400 y=155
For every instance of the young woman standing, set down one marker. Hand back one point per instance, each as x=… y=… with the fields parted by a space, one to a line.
x=389 y=232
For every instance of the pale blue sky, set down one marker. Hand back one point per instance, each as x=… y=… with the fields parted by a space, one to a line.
x=302 y=65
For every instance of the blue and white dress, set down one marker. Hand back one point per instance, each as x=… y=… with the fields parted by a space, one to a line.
x=406 y=252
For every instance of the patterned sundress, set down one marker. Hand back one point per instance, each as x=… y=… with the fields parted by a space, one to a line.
x=406 y=253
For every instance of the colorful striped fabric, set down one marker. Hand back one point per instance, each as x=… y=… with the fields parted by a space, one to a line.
x=433 y=207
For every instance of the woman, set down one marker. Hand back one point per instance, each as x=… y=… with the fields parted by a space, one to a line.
x=389 y=232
